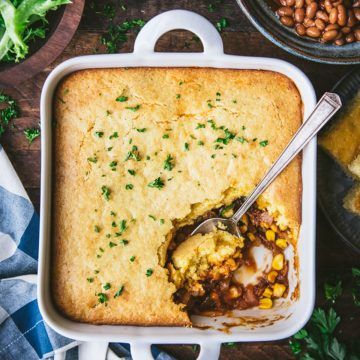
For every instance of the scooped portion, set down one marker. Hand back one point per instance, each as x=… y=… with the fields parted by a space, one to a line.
x=210 y=257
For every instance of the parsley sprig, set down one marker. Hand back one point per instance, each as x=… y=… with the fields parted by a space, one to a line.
x=10 y=112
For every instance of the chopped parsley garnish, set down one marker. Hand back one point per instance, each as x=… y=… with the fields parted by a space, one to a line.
x=213 y=125
x=119 y=292
x=218 y=147
x=152 y=217
x=181 y=82
x=113 y=224
x=31 y=134
x=157 y=183
x=108 y=236
x=178 y=96
x=141 y=130
x=10 y=112
x=222 y=24
x=112 y=244
x=254 y=139
x=213 y=156
x=264 y=143
x=96 y=271
x=102 y=298
x=200 y=143
x=234 y=101
x=169 y=163
x=99 y=134
x=109 y=148
x=243 y=127
x=162 y=221
x=228 y=137
x=209 y=104
x=186 y=147
x=105 y=191
x=122 y=98
x=149 y=272
x=241 y=139
x=129 y=186
x=131 y=172
x=133 y=154
x=124 y=242
x=90 y=279
x=114 y=135
x=165 y=136
x=133 y=108
x=107 y=286
x=101 y=249
x=193 y=137
x=96 y=228
x=226 y=209
x=113 y=165
x=92 y=159
x=122 y=226
x=132 y=259
x=200 y=126
x=112 y=213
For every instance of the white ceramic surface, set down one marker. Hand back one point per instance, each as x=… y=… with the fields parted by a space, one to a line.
x=293 y=314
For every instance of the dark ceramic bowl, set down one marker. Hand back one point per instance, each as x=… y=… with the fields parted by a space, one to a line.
x=333 y=183
x=264 y=19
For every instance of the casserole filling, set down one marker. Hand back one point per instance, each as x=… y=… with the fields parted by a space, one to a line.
x=218 y=272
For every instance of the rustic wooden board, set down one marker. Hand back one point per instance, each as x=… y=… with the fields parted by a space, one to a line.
x=66 y=22
x=240 y=38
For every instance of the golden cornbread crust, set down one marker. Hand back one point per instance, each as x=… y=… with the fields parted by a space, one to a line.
x=257 y=106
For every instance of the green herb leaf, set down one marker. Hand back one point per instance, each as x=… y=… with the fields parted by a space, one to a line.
x=332 y=292
x=152 y=217
x=31 y=134
x=169 y=163
x=92 y=159
x=131 y=172
x=129 y=186
x=107 y=286
x=112 y=244
x=124 y=242
x=122 y=226
x=102 y=298
x=158 y=183
x=186 y=147
x=90 y=279
x=141 y=130
x=264 y=143
x=96 y=228
x=149 y=272
x=119 y=292
x=132 y=259
x=105 y=191
x=133 y=154
x=122 y=98
x=133 y=108
x=222 y=24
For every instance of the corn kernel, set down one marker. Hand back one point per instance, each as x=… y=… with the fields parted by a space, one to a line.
x=243 y=229
x=282 y=227
x=265 y=303
x=272 y=275
x=278 y=262
x=278 y=290
x=274 y=228
x=281 y=243
x=251 y=236
x=264 y=225
x=245 y=219
x=270 y=235
x=267 y=293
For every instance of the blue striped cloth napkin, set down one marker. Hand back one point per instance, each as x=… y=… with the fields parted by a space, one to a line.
x=23 y=332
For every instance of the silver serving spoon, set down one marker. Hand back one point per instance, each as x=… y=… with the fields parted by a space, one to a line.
x=328 y=105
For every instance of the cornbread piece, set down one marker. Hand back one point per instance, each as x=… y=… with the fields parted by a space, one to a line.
x=204 y=256
x=342 y=140
x=352 y=200
x=140 y=152
x=354 y=166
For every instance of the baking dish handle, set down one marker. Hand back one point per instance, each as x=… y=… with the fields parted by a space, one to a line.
x=174 y=20
x=209 y=351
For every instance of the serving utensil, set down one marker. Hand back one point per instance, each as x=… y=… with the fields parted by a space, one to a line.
x=328 y=105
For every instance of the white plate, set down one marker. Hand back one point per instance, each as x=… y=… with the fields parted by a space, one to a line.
x=295 y=313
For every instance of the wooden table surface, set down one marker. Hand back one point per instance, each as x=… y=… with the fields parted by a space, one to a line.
x=240 y=38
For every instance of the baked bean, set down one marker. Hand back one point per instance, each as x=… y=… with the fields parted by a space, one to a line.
x=313 y=32
x=308 y=22
x=357 y=34
x=333 y=16
x=351 y=18
x=350 y=38
x=300 y=29
x=285 y=11
x=334 y=21
x=320 y=24
x=357 y=13
x=311 y=10
x=330 y=35
x=342 y=18
x=328 y=6
x=346 y=30
x=299 y=15
x=287 y=21
x=339 y=42
x=332 y=27
x=322 y=15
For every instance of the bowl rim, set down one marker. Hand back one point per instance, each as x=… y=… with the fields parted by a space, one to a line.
x=56 y=43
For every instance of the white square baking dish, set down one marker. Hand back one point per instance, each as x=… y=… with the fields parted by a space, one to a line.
x=279 y=322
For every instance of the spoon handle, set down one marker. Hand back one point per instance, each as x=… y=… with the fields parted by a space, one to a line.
x=328 y=105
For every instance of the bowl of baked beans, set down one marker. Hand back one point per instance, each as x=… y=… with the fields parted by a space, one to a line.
x=325 y=31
